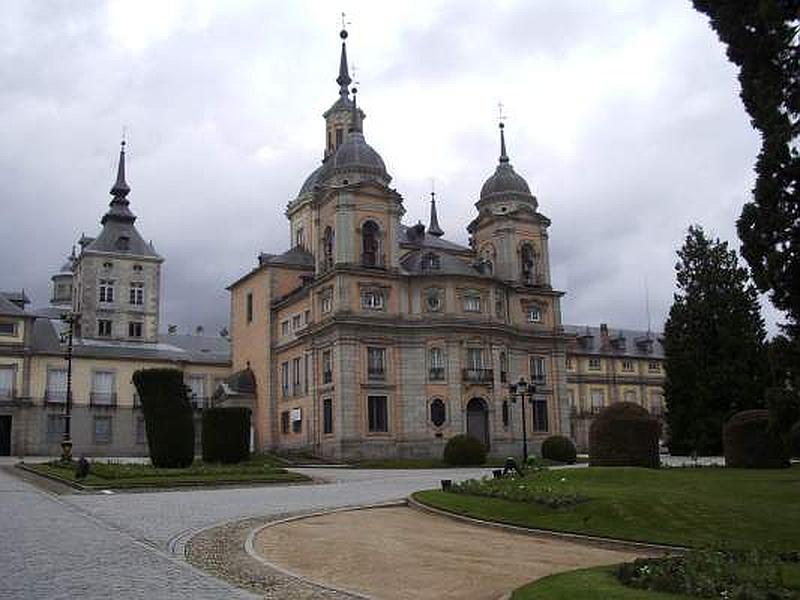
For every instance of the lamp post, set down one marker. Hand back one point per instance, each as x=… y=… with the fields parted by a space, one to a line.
x=522 y=389
x=70 y=319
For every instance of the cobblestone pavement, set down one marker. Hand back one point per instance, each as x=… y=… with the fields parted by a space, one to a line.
x=119 y=545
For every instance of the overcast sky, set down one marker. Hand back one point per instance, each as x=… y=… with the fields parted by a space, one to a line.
x=623 y=116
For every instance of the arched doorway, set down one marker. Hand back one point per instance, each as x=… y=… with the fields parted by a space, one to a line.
x=478 y=420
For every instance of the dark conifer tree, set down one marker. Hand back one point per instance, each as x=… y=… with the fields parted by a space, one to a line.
x=714 y=342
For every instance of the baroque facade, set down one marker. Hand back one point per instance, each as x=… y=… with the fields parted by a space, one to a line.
x=370 y=338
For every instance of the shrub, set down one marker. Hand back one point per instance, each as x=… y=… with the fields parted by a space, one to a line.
x=624 y=434
x=794 y=440
x=750 y=443
x=226 y=434
x=464 y=450
x=559 y=448
x=168 y=417
x=547 y=488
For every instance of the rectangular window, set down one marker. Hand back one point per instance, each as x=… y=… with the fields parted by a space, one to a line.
x=285 y=378
x=56 y=426
x=104 y=327
x=327 y=416
x=372 y=300
x=569 y=364
x=197 y=390
x=540 y=415
x=654 y=366
x=141 y=431
x=376 y=363
x=474 y=359
x=285 y=328
x=436 y=367
x=538 y=373
x=300 y=237
x=327 y=302
x=297 y=420
x=627 y=366
x=137 y=294
x=6 y=382
x=285 y=421
x=327 y=367
x=56 y=386
x=594 y=364
x=297 y=322
x=657 y=404
x=296 y=376
x=8 y=329
x=598 y=398
x=571 y=396
x=249 y=307
x=534 y=314
x=106 y=290
x=378 y=414
x=307 y=317
x=102 y=430
x=135 y=329
x=472 y=303
x=103 y=389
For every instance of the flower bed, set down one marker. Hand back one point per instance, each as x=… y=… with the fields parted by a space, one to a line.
x=548 y=488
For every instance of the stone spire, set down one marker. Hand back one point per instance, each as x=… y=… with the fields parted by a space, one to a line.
x=503 y=155
x=355 y=119
x=344 y=76
x=433 y=227
x=118 y=208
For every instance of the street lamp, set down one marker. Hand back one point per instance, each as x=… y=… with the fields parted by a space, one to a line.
x=70 y=319
x=522 y=389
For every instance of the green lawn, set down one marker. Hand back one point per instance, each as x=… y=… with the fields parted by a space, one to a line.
x=261 y=469
x=686 y=507
x=601 y=582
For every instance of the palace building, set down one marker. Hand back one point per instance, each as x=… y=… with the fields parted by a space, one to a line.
x=371 y=338
x=367 y=338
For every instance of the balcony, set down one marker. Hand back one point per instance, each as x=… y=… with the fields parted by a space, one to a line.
x=55 y=396
x=200 y=402
x=373 y=260
x=102 y=399
x=478 y=375
x=376 y=374
x=436 y=374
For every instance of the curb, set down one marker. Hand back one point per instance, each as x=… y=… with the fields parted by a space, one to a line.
x=578 y=538
x=250 y=549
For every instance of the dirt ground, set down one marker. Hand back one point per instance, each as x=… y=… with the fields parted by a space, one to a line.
x=399 y=553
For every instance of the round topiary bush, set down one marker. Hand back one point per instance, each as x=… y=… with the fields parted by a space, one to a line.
x=794 y=440
x=464 y=450
x=749 y=442
x=559 y=448
x=624 y=434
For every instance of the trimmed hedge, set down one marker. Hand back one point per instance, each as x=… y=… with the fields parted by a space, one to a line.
x=168 y=416
x=226 y=434
x=464 y=450
x=749 y=442
x=794 y=440
x=559 y=448
x=624 y=434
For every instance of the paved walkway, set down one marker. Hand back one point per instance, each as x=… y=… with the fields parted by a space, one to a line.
x=118 y=545
x=399 y=553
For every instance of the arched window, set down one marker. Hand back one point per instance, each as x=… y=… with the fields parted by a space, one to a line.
x=370 y=245
x=327 y=248
x=505 y=413
x=438 y=413
x=527 y=264
x=503 y=367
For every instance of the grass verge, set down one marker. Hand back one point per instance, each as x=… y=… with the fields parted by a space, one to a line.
x=126 y=476
x=684 y=507
x=601 y=582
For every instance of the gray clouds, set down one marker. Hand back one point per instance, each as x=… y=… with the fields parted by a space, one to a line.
x=624 y=119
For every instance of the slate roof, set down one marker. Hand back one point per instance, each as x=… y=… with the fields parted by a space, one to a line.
x=621 y=342
x=448 y=265
x=297 y=256
x=8 y=308
x=187 y=348
x=407 y=237
x=109 y=240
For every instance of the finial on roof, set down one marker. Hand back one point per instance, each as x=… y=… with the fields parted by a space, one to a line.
x=503 y=154
x=121 y=188
x=355 y=122
x=344 y=76
x=433 y=227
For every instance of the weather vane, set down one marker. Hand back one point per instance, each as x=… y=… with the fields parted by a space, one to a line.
x=433 y=187
x=354 y=70
x=124 y=135
x=344 y=22
x=500 y=116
